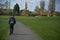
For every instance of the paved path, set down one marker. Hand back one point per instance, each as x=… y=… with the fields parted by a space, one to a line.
x=21 y=32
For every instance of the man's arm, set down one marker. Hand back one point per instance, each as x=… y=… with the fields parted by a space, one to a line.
x=9 y=21
x=14 y=21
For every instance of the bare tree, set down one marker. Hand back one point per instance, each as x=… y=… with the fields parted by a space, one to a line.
x=0 y=4
x=25 y=5
x=42 y=5
x=6 y=4
x=3 y=4
x=51 y=7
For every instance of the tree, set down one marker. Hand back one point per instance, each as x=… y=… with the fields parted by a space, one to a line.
x=16 y=9
x=6 y=4
x=42 y=5
x=51 y=7
x=1 y=4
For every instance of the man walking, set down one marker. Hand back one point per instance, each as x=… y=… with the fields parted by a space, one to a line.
x=12 y=21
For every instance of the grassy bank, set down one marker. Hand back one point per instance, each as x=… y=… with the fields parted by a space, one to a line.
x=48 y=28
x=3 y=27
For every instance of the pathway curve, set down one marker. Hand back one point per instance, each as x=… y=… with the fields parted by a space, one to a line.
x=21 y=32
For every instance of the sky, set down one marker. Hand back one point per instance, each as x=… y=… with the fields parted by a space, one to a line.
x=58 y=5
x=32 y=4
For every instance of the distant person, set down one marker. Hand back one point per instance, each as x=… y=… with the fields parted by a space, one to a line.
x=12 y=22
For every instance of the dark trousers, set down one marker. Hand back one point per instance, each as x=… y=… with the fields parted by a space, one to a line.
x=11 y=28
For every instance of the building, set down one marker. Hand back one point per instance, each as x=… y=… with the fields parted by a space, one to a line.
x=24 y=12
x=37 y=10
x=41 y=11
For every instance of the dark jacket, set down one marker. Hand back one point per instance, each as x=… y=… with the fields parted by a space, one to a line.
x=13 y=19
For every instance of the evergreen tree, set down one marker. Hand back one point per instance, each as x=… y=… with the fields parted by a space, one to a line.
x=16 y=8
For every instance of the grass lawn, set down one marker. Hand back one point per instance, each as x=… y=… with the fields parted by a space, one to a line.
x=48 y=28
x=3 y=28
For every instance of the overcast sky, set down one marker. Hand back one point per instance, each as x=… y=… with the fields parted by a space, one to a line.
x=32 y=4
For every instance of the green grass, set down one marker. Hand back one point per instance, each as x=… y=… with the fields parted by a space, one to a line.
x=3 y=27
x=48 y=28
